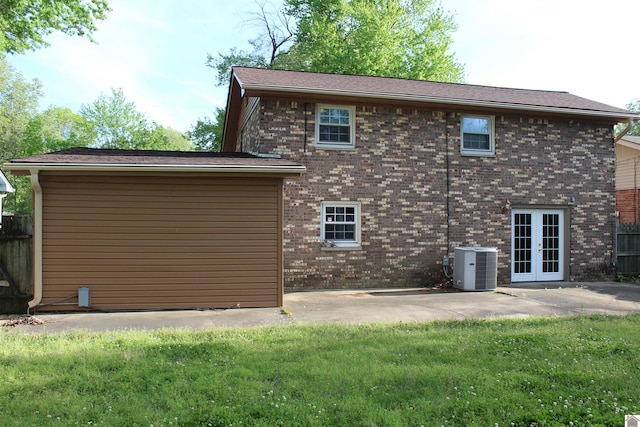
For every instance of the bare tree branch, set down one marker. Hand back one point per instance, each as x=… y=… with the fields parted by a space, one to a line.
x=277 y=29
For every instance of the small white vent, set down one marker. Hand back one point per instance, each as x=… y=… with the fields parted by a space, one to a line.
x=475 y=269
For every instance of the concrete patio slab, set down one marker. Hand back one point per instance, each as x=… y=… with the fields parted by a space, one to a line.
x=370 y=306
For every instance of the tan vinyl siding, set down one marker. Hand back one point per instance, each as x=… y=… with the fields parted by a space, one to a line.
x=153 y=242
x=627 y=168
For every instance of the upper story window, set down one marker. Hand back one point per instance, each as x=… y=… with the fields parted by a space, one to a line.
x=335 y=126
x=477 y=135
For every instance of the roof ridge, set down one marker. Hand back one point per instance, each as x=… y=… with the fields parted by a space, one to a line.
x=403 y=79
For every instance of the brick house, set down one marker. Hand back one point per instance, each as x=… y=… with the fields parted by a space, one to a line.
x=401 y=172
x=628 y=179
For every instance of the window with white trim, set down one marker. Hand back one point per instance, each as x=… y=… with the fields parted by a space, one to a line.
x=477 y=136
x=335 y=126
x=340 y=225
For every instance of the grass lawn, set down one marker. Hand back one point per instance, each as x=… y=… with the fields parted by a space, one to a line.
x=540 y=372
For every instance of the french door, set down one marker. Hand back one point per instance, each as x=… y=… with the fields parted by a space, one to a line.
x=537 y=242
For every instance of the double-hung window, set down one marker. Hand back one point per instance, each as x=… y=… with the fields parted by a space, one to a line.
x=340 y=226
x=477 y=135
x=335 y=126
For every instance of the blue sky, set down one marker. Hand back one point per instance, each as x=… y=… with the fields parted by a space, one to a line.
x=155 y=50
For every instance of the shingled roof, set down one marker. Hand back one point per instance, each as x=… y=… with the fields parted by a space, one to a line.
x=153 y=160
x=632 y=139
x=263 y=81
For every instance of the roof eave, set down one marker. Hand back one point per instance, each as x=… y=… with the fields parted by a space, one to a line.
x=438 y=100
x=232 y=115
x=629 y=144
x=134 y=167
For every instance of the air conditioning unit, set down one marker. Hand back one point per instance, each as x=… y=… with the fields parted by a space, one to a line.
x=475 y=269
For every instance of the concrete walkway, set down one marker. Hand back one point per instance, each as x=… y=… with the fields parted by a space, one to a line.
x=370 y=306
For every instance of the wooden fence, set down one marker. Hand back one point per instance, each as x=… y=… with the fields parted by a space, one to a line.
x=16 y=263
x=628 y=248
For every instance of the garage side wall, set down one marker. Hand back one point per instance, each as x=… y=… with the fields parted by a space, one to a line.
x=158 y=242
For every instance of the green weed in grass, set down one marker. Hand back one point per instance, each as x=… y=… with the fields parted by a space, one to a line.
x=545 y=372
x=628 y=278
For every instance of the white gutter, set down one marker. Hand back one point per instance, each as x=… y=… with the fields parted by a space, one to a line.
x=101 y=167
x=440 y=100
x=235 y=76
x=37 y=240
x=624 y=131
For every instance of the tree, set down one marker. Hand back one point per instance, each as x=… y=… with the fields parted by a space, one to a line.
x=25 y=23
x=206 y=134
x=393 y=38
x=173 y=140
x=113 y=122
x=19 y=100
x=275 y=38
x=54 y=129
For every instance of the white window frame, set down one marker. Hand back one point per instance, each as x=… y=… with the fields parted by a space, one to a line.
x=474 y=151
x=352 y=128
x=328 y=244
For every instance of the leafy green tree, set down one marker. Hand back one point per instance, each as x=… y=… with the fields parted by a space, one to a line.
x=173 y=140
x=113 y=122
x=275 y=39
x=224 y=61
x=24 y=24
x=206 y=134
x=19 y=100
x=394 y=38
x=54 y=129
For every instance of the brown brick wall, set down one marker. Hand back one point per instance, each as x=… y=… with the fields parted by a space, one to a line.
x=628 y=205
x=398 y=172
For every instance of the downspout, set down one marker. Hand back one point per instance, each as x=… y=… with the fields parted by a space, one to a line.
x=625 y=130
x=446 y=268
x=37 y=240
x=448 y=180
